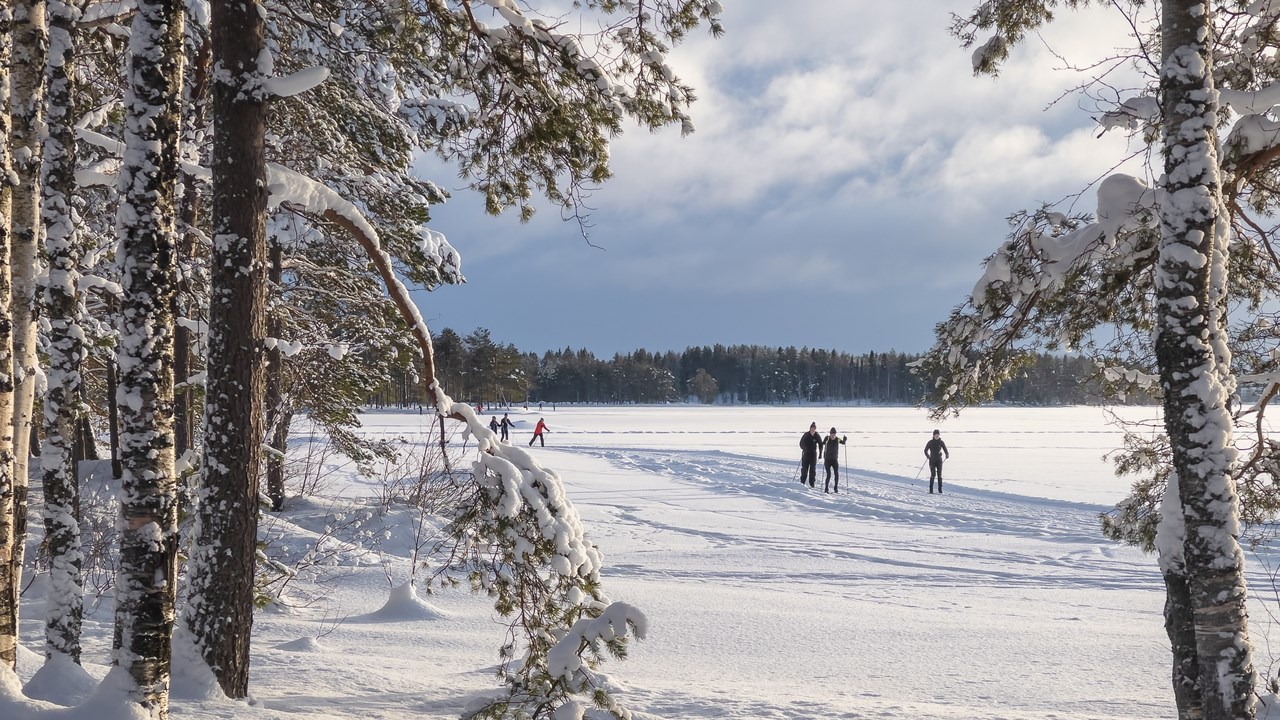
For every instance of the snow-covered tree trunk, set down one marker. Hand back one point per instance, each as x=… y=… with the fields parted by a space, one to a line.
x=220 y=613
x=60 y=303
x=1188 y=352
x=8 y=587
x=147 y=582
x=30 y=47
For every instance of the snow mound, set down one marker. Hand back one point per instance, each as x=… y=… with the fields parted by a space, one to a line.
x=305 y=644
x=60 y=680
x=29 y=662
x=192 y=679
x=404 y=604
x=110 y=700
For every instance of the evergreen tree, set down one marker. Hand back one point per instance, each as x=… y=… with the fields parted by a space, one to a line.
x=219 y=611
x=704 y=387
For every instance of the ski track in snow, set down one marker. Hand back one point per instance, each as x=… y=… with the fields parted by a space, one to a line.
x=929 y=523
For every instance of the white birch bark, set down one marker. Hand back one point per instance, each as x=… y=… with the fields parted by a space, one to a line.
x=147 y=583
x=60 y=303
x=1190 y=354
x=8 y=542
x=30 y=48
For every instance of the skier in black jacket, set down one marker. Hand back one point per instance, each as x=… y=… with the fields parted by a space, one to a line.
x=809 y=444
x=934 y=449
x=831 y=458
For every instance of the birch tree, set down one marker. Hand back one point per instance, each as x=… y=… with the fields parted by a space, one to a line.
x=61 y=305
x=30 y=48
x=8 y=537
x=146 y=587
x=1195 y=375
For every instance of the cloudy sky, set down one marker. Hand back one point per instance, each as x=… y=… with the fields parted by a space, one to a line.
x=846 y=179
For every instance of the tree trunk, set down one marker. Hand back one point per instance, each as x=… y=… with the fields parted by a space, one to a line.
x=8 y=541
x=1179 y=623
x=275 y=467
x=277 y=417
x=65 y=344
x=184 y=414
x=86 y=443
x=146 y=590
x=222 y=561
x=30 y=45
x=1189 y=352
x=113 y=413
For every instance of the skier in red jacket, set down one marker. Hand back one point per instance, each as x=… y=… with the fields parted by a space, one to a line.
x=538 y=433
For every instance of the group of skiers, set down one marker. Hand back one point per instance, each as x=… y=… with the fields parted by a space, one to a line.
x=813 y=442
x=503 y=427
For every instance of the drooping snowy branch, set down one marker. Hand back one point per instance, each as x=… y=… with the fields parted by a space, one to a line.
x=1024 y=295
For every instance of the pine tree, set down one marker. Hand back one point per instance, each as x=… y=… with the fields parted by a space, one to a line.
x=219 y=611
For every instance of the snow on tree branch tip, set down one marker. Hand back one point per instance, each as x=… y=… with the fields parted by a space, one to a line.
x=296 y=83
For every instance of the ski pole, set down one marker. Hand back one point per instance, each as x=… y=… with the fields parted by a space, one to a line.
x=846 y=467
x=926 y=462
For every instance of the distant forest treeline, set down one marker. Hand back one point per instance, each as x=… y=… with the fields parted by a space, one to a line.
x=478 y=369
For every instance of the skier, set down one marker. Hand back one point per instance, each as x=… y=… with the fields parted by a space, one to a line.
x=831 y=458
x=934 y=449
x=506 y=425
x=493 y=424
x=809 y=444
x=538 y=433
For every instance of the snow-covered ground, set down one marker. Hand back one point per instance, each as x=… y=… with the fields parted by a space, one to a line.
x=765 y=599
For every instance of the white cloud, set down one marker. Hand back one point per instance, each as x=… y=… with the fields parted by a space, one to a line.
x=790 y=99
x=843 y=149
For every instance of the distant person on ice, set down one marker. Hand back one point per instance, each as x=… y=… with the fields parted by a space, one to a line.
x=831 y=458
x=809 y=444
x=934 y=450
x=493 y=424
x=506 y=425
x=537 y=434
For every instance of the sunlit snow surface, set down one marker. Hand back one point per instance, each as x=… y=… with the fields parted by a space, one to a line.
x=765 y=599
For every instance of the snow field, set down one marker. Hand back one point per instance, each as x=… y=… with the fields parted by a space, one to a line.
x=764 y=599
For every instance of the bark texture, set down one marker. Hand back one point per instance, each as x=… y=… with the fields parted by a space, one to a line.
x=219 y=614
x=277 y=416
x=146 y=587
x=1179 y=623
x=30 y=47
x=1192 y=361
x=66 y=348
x=8 y=584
